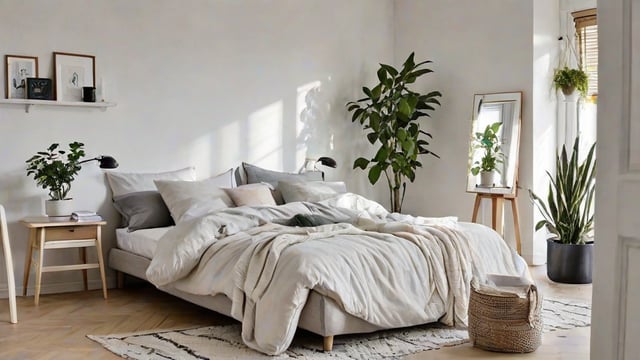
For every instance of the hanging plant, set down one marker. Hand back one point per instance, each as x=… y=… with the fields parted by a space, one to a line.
x=568 y=80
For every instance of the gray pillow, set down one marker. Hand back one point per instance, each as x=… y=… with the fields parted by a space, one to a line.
x=143 y=210
x=257 y=174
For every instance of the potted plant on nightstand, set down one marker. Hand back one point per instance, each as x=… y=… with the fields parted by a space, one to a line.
x=568 y=80
x=568 y=215
x=54 y=170
x=487 y=166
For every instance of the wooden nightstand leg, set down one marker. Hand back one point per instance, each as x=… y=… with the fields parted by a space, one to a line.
x=39 y=264
x=101 y=262
x=83 y=258
x=27 y=261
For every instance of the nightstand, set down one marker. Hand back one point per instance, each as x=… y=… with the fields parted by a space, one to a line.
x=45 y=234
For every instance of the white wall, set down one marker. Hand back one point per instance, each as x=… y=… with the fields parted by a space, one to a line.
x=202 y=83
x=477 y=47
x=546 y=27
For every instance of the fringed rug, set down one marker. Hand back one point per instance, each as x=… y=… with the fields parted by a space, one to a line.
x=224 y=342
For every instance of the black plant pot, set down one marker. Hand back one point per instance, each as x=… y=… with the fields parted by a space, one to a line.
x=568 y=263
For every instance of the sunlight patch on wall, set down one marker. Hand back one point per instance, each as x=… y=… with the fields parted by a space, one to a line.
x=199 y=155
x=307 y=117
x=264 y=136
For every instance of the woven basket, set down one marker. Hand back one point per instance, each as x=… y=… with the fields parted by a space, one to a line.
x=505 y=323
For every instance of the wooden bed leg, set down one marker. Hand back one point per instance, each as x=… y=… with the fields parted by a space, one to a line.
x=120 y=279
x=328 y=343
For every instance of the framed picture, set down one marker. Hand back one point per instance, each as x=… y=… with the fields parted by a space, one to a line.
x=18 y=69
x=39 y=89
x=72 y=72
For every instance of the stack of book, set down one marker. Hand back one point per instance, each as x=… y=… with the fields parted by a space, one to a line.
x=85 y=216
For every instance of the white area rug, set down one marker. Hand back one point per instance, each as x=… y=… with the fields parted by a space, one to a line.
x=224 y=342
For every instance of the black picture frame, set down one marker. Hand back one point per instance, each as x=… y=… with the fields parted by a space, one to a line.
x=39 y=88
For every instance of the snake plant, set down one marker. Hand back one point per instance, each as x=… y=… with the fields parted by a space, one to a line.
x=568 y=213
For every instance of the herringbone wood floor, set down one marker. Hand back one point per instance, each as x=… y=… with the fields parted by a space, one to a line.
x=56 y=328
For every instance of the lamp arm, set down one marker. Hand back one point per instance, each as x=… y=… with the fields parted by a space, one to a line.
x=98 y=158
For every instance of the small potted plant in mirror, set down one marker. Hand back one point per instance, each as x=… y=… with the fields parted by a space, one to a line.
x=568 y=80
x=54 y=170
x=489 y=142
x=568 y=216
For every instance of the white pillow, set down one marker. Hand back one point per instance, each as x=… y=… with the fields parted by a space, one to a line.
x=124 y=183
x=311 y=191
x=194 y=198
x=252 y=195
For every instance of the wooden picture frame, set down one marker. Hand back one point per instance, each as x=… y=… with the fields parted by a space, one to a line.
x=17 y=69
x=72 y=72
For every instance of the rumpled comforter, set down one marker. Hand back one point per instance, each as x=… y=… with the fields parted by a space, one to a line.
x=391 y=270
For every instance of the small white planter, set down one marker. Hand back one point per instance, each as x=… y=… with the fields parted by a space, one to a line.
x=487 y=178
x=58 y=207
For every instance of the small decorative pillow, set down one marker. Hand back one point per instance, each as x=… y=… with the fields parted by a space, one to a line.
x=311 y=191
x=252 y=195
x=124 y=183
x=142 y=210
x=195 y=197
x=257 y=174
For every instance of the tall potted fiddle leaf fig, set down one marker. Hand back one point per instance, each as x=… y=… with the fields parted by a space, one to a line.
x=389 y=114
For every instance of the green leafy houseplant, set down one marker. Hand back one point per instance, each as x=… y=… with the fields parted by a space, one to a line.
x=489 y=142
x=568 y=213
x=567 y=80
x=55 y=169
x=389 y=113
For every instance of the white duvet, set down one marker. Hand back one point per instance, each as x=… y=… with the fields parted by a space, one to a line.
x=391 y=270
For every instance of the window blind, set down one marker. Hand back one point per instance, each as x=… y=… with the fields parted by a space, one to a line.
x=587 y=39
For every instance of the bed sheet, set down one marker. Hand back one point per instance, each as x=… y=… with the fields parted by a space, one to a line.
x=141 y=242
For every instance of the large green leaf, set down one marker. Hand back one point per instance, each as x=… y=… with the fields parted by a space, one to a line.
x=404 y=107
x=374 y=174
x=361 y=163
x=389 y=69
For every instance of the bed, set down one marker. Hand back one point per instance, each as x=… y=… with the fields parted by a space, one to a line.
x=361 y=270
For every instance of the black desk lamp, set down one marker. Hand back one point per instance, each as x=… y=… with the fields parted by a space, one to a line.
x=326 y=161
x=106 y=161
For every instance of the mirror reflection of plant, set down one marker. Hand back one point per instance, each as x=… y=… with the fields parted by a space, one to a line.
x=568 y=213
x=389 y=113
x=490 y=143
x=53 y=172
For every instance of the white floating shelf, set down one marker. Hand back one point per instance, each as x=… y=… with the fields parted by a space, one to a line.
x=27 y=103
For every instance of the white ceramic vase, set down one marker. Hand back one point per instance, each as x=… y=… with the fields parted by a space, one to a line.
x=487 y=178
x=58 y=207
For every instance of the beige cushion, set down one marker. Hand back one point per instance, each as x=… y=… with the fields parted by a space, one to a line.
x=189 y=199
x=122 y=183
x=252 y=195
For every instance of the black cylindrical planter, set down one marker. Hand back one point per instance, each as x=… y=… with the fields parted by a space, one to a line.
x=569 y=263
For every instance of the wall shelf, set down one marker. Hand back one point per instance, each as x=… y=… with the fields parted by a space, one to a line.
x=27 y=103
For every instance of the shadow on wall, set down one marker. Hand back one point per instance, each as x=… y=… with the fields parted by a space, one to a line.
x=325 y=129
